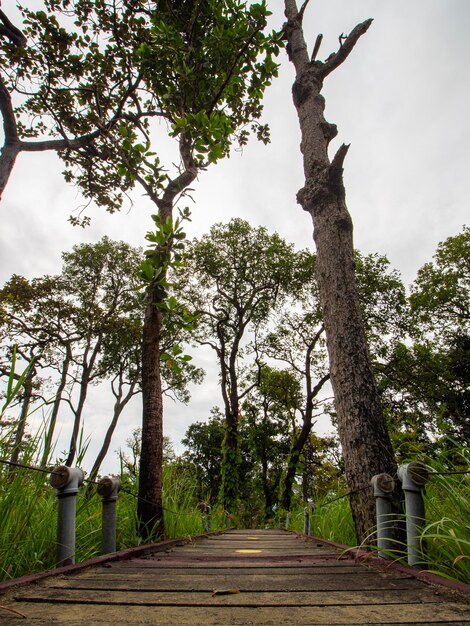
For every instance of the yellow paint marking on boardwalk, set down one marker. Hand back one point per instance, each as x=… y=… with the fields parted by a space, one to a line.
x=248 y=551
x=253 y=538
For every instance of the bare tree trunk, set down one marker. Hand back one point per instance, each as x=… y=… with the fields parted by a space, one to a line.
x=55 y=407
x=119 y=406
x=299 y=442
x=362 y=429
x=20 y=429
x=87 y=369
x=150 y=504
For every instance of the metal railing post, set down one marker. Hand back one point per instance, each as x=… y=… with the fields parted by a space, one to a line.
x=383 y=485
x=67 y=481
x=413 y=477
x=108 y=488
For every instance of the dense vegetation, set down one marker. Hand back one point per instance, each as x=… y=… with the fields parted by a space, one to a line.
x=420 y=356
x=289 y=329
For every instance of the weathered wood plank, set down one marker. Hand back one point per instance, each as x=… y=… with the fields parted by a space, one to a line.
x=78 y=614
x=256 y=598
x=289 y=582
x=179 y=563
x=266 y=582
x=241 y=569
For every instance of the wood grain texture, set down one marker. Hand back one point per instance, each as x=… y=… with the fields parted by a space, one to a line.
x=315 y=585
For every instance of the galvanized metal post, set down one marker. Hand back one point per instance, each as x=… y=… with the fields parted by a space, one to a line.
x=413 y=477
x=108 y=488
x=67 y=481
x=384 y=485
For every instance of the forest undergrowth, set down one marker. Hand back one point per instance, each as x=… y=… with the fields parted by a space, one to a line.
x=28 y=511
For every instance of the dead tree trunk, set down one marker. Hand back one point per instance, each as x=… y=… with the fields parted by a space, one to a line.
x=362 y=429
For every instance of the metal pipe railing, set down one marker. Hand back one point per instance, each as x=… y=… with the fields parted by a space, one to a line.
x=414 y=477
x=108 y=488
x=383 y=485
x=67 y=481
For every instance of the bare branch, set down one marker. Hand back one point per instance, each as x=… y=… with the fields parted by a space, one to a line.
x=316 y=47
x=300 y=16
x=336 y=166
x=335 y=59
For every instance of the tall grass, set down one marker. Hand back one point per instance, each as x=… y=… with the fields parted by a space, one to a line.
x=447 y=533
x=445 y=539
x=330 y=519
x=28 y=513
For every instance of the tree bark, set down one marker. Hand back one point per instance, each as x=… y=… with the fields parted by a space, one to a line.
x=362 y=429
x=11 y=145
x=150 y=504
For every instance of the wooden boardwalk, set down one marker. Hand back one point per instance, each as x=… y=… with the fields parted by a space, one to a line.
x=238 y=577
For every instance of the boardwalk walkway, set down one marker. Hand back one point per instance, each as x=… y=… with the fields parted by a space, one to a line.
x=238 y=577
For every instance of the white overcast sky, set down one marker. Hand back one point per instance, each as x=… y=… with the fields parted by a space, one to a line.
x=401 y=100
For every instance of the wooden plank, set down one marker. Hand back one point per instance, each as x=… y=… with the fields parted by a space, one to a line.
x=232 y=551
x=265 y=582
x=78 y=614
x=241 y=570
x=289 y=582
x=177 y=562
x=190 y=598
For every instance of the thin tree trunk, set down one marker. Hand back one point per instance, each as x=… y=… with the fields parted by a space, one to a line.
x=20 y=429
x=119 y=406
x=362 y=429
x=230 y=469
x=84 y=382
x=302 y=438
x=55 y=408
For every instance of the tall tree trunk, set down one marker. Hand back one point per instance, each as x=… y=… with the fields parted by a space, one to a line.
x=150 y=504
x=362 y=429
x=230 y=468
